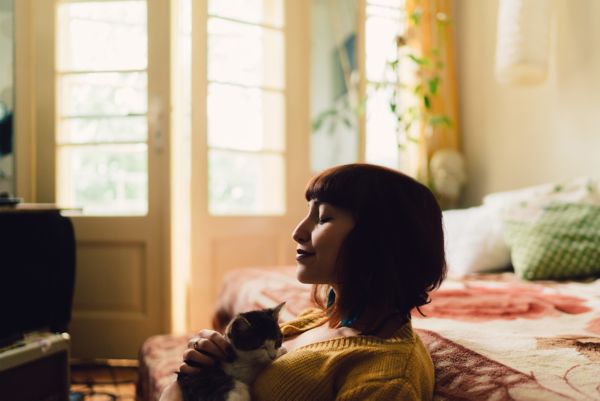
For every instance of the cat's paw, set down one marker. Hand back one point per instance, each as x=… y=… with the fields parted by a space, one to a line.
x=281 y=351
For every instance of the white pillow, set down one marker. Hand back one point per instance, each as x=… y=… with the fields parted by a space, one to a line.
x=474 y=241
x=581 y=190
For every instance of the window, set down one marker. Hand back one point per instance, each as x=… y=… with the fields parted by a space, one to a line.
x=352 y=83
x=246 y=107
x=384 y=22
x=101 y=81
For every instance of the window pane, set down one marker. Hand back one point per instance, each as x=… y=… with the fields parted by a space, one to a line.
x=381 y=47
x=104 y=180
x=257 y=11
x=388 y=3
x=249 y=119
x=381 y=136
x=102 y=94
x=248 y=55
x=96 y=36
x=246 y=184
x=109 y=129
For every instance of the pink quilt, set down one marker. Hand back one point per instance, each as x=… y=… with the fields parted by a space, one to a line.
x=491 y=337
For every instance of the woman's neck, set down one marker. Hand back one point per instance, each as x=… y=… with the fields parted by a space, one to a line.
x=384 y=325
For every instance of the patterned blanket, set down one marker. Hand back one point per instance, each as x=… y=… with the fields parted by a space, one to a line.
x=491 y=337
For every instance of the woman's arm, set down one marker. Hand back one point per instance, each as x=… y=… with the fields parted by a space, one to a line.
x=171 y=393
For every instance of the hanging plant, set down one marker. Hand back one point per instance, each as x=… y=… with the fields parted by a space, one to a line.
x=415 y=101
x=420 y=79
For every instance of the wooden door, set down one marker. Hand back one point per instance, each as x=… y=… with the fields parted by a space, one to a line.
x=101 y=93
x=226 y=235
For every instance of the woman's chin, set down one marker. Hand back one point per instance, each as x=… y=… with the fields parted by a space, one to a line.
x=302 y=275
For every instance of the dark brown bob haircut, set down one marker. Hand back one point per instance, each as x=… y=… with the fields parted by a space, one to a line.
x=394 y=255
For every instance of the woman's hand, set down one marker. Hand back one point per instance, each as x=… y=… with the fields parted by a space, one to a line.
x=204 y=350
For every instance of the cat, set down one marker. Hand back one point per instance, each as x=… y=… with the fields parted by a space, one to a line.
x=256 y=341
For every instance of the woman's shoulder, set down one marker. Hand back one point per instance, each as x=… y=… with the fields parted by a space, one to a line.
x=308 y=319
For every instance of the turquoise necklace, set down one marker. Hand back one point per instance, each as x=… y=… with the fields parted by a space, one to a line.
x=349 y=321
x=346 y=322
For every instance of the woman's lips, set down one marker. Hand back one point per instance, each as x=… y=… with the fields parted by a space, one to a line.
x=303 y=255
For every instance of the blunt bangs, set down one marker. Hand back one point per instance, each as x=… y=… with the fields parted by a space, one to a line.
x=338 y=186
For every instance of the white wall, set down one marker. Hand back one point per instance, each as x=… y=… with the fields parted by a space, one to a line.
x=514 y=137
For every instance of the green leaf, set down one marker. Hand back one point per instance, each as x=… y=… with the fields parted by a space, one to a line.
x=412 y=139
x=433 y=85
x=427 y=102
x=393 y=64
x=418 y=60
x=440 y=120
x=415 y=16
x=347 y=122
x=320 y=119
x=393 y=107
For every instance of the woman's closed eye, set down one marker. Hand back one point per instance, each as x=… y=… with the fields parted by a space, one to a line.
x=324 y=219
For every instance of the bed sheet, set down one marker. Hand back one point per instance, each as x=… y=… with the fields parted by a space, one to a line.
x=491 y=336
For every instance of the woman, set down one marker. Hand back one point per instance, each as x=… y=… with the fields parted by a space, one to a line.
x=372 y=245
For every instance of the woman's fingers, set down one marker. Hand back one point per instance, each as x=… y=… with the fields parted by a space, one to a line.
x=208 y=348
x=204 y=350
x=197 y=359
x=213 y=343
x=189 y=370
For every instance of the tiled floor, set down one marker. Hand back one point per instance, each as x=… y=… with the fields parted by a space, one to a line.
x=98 y=382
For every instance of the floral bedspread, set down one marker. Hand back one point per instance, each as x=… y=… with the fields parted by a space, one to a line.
x=491 y=337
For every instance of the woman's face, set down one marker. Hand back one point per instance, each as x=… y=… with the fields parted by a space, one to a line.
x=320 y=236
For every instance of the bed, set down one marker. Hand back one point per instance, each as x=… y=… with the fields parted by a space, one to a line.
x=510 y=322
x=491 y=336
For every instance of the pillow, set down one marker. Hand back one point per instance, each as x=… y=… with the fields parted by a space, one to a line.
x=563 y=242
x=581 y=190
x=473 y=241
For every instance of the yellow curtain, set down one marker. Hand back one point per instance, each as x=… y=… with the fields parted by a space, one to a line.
x=430 y=35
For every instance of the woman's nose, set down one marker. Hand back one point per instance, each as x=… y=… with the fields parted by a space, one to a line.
x=300 y=233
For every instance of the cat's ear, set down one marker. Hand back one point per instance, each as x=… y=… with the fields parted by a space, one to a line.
x=276 y=310
x=240 y=324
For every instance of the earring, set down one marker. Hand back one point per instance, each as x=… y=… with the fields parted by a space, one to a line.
x=330 y=298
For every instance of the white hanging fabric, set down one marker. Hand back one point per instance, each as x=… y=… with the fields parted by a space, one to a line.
x=523 y=41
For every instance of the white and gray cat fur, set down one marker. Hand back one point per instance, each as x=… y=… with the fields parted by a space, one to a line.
x=256 y=339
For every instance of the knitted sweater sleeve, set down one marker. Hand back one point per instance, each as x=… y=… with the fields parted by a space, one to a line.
x=394 y=389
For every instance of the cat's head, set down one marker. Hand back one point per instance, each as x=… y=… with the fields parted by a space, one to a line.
x=256 y=332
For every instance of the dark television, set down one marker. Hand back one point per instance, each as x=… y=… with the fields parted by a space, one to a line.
x=37 y=272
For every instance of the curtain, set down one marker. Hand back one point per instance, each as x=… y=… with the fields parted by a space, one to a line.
x=430 y=35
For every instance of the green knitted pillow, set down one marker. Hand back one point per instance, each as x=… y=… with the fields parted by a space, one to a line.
x=562 y=243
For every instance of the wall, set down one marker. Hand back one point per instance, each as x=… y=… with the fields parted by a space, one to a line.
x=515 y=137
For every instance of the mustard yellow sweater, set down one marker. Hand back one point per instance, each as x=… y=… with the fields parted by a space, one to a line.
x=361 y=368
